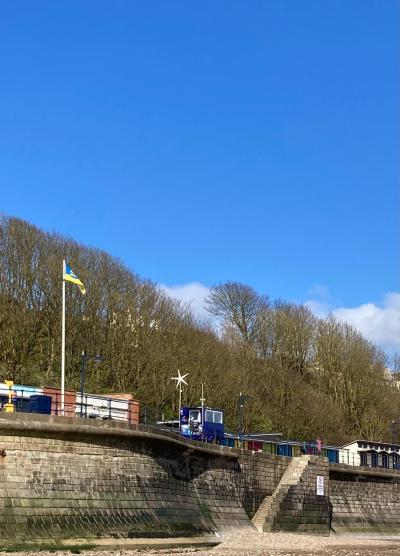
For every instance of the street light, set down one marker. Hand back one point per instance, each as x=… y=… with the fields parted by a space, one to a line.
x=240 y=405
x=84 y=358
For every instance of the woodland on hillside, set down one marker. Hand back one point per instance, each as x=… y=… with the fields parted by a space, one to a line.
x=305 y=377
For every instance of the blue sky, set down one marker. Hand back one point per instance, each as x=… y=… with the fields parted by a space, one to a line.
x=199 y=142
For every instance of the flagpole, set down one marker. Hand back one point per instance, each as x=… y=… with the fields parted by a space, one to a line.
x=63 y=343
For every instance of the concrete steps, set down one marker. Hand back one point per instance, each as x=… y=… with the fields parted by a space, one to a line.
x=264 y=519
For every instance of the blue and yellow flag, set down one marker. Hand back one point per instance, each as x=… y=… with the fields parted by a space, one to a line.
x=70 y=276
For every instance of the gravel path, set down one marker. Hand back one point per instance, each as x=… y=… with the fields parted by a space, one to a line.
x=264 y=544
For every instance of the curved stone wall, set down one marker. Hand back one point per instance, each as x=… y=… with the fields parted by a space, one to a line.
x=64 y=478
x=61 y=478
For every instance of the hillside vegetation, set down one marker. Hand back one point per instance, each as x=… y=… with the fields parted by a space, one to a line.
x=305 y=377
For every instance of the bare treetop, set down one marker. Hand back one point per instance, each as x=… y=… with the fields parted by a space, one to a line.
x=237 y=305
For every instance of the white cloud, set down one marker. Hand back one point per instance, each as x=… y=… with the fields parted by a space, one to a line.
x=318 y=307
x=320 y=302
x=193 y=294
x=380 y=323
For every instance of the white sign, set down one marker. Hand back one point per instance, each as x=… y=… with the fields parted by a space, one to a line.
x=320 y=485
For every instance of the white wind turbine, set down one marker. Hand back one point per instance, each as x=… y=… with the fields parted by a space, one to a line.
x=180 y=379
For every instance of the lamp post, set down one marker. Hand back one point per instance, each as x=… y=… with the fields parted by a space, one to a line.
x=241 y=400
x=202 y=399
x=84 y=358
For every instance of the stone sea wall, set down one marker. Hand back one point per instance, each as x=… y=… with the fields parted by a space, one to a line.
x=364 y=500
x=64 y=478
x=300 y=502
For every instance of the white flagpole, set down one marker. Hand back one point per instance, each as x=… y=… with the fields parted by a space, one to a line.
x=63 y=343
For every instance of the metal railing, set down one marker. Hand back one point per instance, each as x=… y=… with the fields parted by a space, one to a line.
x=90 y=407
x=127 y=411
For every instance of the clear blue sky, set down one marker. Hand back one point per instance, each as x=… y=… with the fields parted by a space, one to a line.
x=253 y=141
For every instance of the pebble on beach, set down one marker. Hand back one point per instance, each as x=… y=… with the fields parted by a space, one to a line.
x=252 y=543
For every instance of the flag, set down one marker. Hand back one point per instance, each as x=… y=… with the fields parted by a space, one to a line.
x=70 y=276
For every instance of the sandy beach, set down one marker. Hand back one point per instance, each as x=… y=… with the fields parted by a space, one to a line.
x=245 y=543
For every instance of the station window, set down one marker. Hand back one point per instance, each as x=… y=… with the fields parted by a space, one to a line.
x=209 y=416
x=217 y=417
x=195 y=415
x=213 y=416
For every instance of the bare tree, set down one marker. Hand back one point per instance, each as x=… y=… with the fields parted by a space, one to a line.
x=238 y=306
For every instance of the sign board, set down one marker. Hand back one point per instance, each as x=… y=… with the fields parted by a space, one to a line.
x=320 y=485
